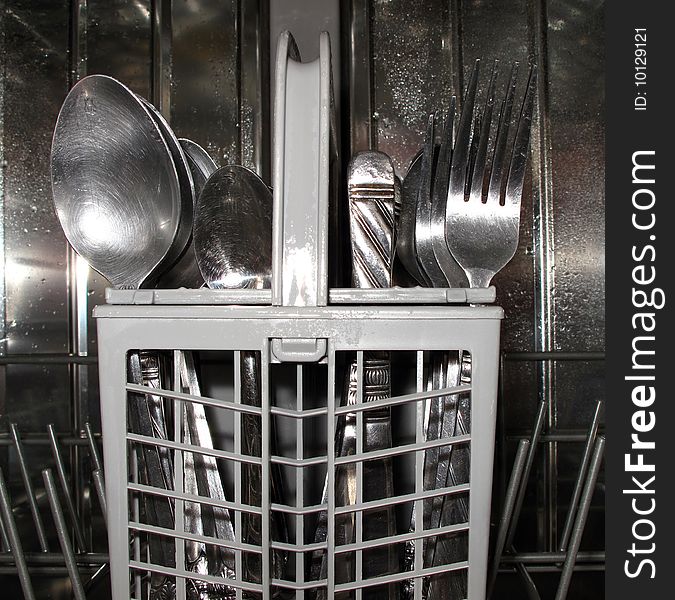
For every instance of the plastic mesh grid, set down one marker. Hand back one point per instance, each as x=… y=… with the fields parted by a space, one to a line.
x=364 y=482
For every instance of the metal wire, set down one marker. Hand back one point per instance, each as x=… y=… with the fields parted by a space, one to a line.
x=14 y=540
x=46 y=563
x=526 y=563
x=64 y=541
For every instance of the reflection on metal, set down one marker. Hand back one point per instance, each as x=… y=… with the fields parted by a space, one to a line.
x=3 y=338
x=205 y=76
x=34 y=302
x=79 y=374
x=576 y=116
x=81 y=270
x=362 y=135
x=544 y=271
x=161 y=56
x=254 y=111
x=119 y=42
x=412 y=64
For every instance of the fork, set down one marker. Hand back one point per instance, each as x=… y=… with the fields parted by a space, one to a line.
x=426 y=185
x=453 y=463
x=484 y=246
x=481 y=229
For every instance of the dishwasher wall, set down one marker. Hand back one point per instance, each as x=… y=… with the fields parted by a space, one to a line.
x=206 y=64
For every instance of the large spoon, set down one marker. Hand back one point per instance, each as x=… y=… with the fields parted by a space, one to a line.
x=233 y=230
x=185 y=273
x=189 y=274
x=233 y=243
x=194 y=166
x=115 y=185
x=201 y=475
x=117 y=194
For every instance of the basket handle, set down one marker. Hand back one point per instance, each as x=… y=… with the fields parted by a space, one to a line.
x=300 y=175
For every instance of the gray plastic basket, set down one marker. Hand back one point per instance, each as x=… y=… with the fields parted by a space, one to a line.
x=316 y=333
x=292 y=335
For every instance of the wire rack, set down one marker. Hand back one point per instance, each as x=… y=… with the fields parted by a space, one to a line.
x=72 y=555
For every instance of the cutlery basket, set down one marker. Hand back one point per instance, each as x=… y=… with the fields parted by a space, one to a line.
x=304 y=356
x=321 y=444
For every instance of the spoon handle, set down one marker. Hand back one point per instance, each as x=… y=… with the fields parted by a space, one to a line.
x=453 y=509
x=378 y=475
x=202 y=477
x=372 y=199
x=152 y=468
x=251 y=485
x=195 y=552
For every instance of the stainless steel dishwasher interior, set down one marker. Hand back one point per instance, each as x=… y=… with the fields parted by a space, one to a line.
x=205 y=64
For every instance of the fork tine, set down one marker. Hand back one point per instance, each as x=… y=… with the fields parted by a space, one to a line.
x=424 y=193
x=514 y=184
x=484 y=238
x=477 y=175
x=461 y=152
x=498 y=161
x=423 y=223
x=453 y=273
x=473 y=151
x=442 y=175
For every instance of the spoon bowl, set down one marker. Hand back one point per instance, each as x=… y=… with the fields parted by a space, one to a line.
x=405 y=238
x=188 y=197
x=185 y=271
x=115 y=185
x=233 y=244
x=233 y=230
x=202 y=166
